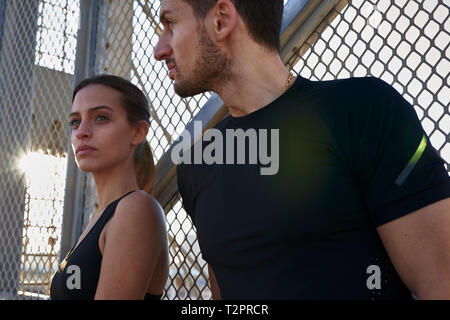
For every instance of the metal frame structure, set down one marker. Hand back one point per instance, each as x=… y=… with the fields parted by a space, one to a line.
x=16 y=66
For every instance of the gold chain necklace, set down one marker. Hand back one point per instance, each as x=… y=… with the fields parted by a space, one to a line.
x=290 y=81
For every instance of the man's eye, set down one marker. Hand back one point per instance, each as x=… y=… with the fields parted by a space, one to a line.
x=168 y=24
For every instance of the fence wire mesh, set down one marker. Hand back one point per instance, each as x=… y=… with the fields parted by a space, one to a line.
x=37 y=54
x=406 y=43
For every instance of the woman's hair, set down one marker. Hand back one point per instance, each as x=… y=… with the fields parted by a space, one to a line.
x=135 y=103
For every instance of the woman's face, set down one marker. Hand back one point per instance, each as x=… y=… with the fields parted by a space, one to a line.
x=102 y=137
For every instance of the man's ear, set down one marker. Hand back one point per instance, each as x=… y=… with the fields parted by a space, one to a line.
x=225 y=19
x=140 y=131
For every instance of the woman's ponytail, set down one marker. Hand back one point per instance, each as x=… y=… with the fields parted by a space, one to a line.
x=144 y=167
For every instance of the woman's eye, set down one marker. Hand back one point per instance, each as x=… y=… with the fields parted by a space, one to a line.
x=102 y=118
x=74 y=123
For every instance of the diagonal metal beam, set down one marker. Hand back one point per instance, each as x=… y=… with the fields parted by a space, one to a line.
x=314 y=18
x=146 y=9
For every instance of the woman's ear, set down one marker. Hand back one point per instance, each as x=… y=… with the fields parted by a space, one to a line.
x=225 y=18
x=140 y=131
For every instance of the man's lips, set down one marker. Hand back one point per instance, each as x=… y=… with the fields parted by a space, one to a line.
x=171 y=68
x=84 y=150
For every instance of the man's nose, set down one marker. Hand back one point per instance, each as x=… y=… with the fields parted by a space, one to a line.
x=83 y=130
x=162 y=49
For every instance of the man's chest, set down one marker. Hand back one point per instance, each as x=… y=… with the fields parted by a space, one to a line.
x=309 y=197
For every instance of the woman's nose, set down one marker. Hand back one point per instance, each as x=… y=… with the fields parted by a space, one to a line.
x=83 y=130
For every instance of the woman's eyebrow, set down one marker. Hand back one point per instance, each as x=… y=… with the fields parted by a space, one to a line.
x=92 y=110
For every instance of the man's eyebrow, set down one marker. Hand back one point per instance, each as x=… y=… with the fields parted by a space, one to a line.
x=92 y=110
x=163 y=15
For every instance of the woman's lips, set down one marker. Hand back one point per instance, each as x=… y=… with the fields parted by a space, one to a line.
x=84 y=150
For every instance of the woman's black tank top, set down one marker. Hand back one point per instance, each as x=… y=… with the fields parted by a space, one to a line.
x=78 y=274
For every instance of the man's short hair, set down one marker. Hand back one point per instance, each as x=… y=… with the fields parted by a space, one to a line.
x=262 y=17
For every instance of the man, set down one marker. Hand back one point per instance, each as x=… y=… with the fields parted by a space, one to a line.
x=359 y=204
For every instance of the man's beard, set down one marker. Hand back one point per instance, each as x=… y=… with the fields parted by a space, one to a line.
x=211 y=69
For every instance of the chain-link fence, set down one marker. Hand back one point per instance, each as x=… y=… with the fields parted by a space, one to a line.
x=403 y=42
x=37 y=54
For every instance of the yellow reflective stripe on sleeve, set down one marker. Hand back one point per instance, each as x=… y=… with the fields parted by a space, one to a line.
x=412 y=163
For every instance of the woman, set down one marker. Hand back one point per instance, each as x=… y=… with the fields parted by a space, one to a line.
x=123 y=252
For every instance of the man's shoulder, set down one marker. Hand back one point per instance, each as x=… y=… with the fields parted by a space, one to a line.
x=224 y=123
x=341 y=87
x=321 y=96
x=354 y=97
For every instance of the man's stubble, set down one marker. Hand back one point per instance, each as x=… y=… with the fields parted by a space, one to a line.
x=212 y=69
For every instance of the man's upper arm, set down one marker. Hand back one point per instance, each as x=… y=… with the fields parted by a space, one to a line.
x=184 y=190
x=215 y=290
x=398 y=169
x=418 y=245
x=404 y=184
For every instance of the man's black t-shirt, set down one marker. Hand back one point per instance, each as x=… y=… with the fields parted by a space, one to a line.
x=352 y=156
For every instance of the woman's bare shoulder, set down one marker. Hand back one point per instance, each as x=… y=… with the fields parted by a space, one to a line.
x=139 y=207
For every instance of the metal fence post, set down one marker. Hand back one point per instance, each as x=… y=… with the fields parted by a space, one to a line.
x=75 y=182
x=18 y=37
x=2 y=19
x=114 y=41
